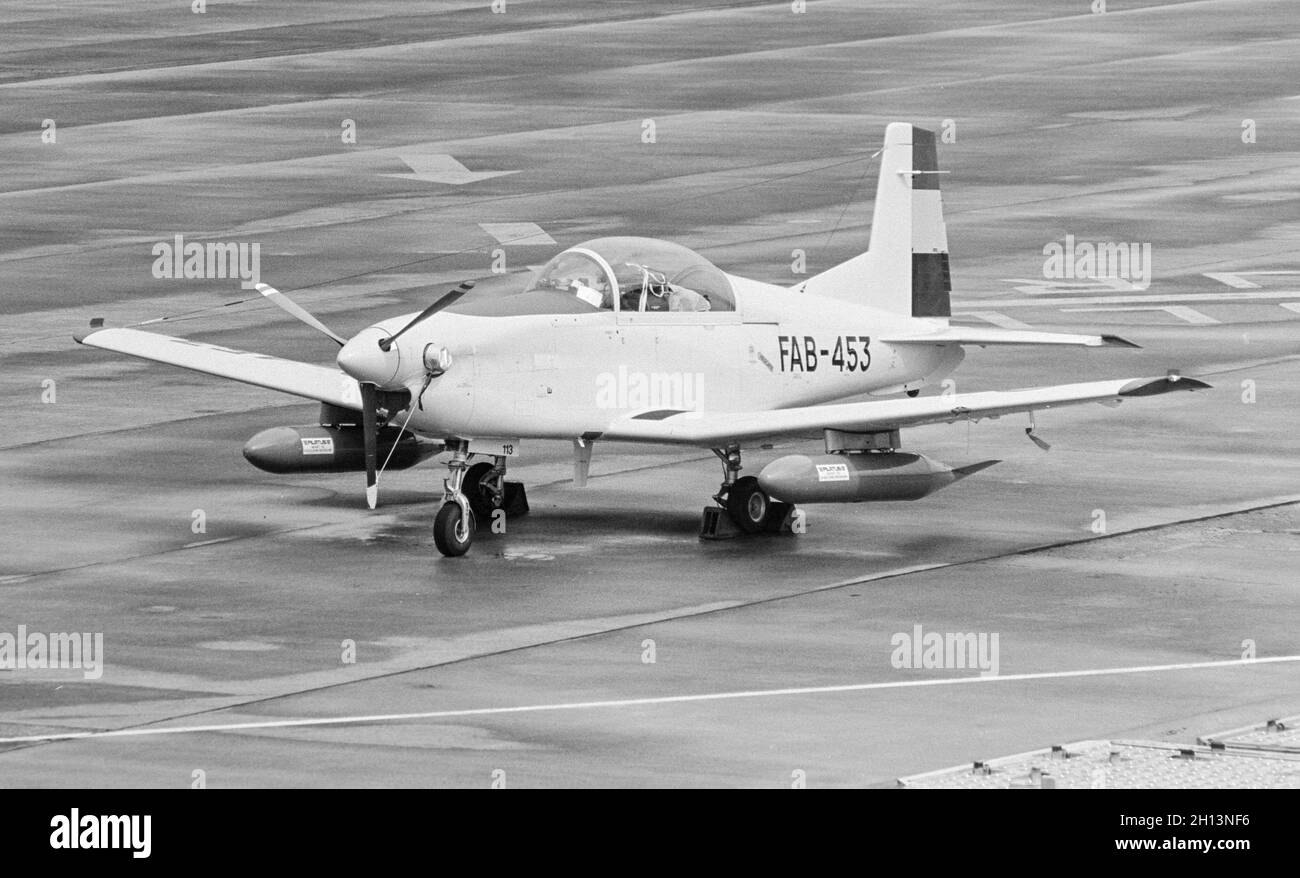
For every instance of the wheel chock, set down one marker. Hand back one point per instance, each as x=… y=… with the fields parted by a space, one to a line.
x=515 y=501
x=716 y=524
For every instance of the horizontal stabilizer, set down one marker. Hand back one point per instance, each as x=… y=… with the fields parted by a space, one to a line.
x=972 y=335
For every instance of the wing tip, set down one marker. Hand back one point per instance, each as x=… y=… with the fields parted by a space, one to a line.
x=658 y=414
x=1115 y=341
x=962 y=472
x=96 y=324
x=1164 y=384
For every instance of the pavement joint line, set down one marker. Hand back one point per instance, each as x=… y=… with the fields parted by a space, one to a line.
x=278 y=54
x=16 y=578
x=1225 y=368
x=644 y=702
x=183 y=419
x=19 y=578
x=670 y=617
x=534 y=27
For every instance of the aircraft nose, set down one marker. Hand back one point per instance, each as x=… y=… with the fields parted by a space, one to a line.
x=365 y=360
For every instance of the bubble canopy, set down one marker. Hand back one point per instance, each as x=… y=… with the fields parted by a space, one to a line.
x=638 y=274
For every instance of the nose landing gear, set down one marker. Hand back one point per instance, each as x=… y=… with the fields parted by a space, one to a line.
x=473 y=495
x=454 y=526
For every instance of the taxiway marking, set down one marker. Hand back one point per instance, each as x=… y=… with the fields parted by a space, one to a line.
x=1237 y=279
x=1182 y=312
x=996 y=319
x=442 y=169
x=519 y=234
x=213 y=542
x=641 y=702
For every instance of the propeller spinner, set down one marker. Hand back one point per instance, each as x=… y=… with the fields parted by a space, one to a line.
x=370 y=359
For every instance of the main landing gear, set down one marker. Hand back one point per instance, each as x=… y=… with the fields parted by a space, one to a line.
x=743 y=506
x=474 y=494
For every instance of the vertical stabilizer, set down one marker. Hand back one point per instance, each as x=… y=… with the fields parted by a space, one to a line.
x=905 y=269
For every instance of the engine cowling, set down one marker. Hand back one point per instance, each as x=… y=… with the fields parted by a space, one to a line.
x=859 y=478
x=332 y=449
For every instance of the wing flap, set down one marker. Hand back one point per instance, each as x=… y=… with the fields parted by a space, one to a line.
x=717 y=429
x=261 y=370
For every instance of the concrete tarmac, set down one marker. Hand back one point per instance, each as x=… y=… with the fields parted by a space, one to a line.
x=1159 y=534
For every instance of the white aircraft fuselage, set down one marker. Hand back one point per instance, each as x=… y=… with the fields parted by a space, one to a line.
x=559 y=376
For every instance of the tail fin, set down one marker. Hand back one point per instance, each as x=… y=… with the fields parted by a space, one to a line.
x=905 y=268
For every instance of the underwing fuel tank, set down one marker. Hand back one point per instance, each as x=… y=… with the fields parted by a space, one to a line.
x=321 y=449
x=859 y=478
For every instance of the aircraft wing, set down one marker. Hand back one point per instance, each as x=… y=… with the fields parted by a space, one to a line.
x=288 y=376
x=718 y=429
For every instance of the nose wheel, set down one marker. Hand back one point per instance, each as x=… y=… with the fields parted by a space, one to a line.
x=453 y=529
x=454 y=526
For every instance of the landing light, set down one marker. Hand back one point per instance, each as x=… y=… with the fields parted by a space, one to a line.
x=436 y=359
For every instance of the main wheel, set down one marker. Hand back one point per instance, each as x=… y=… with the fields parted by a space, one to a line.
x=776 y=513
x=481 y=498
x=747 y=505
x=452 y=532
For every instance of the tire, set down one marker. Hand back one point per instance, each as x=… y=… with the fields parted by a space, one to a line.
x=776 y=513
x=481 y=500
x=748 y=505
x=445 y=531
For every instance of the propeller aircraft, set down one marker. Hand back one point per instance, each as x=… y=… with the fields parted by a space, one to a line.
x=625 y=339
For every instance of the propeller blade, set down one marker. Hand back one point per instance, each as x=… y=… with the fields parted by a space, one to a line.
x=440 y=303
x=289 y=306
x=370 y=434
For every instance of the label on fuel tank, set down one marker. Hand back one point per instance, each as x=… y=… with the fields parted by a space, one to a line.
x=832 y=472
x=318 y=445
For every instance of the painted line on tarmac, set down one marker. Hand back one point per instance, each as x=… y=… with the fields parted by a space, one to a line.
x=641 y=702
